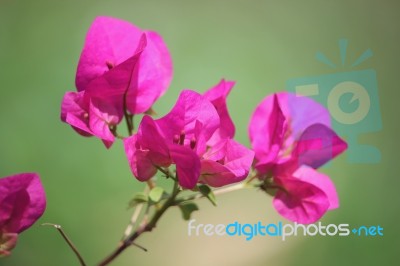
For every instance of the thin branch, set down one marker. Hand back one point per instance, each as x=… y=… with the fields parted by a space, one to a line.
x=134 y=217
x=139 y=246
x=218 y=191
x=129 y=122
x=69 y=242
x=132 y=222
x=113 y=130
x=164 y=171
x=144 y=227
x=151 y=184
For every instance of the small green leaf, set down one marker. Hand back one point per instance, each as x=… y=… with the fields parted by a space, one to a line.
x=137 y=199
x=187 y=208
x=208 y=193
x=156 y=194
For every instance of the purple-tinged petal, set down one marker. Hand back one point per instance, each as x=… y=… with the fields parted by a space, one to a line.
x=301 y=201
x=302 y=112
x=22 y=201
x=187 y=165
x=317 y=145
x=217 y=96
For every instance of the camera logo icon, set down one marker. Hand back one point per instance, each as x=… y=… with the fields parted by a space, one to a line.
x=352 y=100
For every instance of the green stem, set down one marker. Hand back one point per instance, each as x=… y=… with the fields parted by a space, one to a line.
x=129 y=122
x=144 y=227
x=135 y=216
x=218 y=191
x=113 y=130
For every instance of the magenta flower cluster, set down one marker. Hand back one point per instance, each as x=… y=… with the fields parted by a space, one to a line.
x=121 y=72
x=196 y=136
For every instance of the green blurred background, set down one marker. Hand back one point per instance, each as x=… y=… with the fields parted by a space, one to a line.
x=260 y=44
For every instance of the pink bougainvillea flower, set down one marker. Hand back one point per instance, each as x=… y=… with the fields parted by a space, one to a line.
x=101 y=105
x=291 y=137
x=22 y=202
x=181 y=138
x=285 y=126
x=122 y=69
x=225 y=163
x=178 y=138
x=110 y=42
x=217 y=96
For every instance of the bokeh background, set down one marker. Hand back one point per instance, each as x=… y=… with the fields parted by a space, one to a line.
x=260 y=44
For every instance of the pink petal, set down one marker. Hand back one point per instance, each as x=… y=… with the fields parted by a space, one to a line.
x=101 y=121
x=72 y=103
x=317 y=145
x=22 y=201
x=238 y=159
x=302 y=202
x=321 y=181
x=187 y=165
x=141 y=166
x=216 y=174
x=155 y=74
x=267 y=131
x=146 y=150
x=217 y=96
x=112 y=87
x=74 y=111
x=225 y=163
x=79 y=125
x=216 y=152
x=193 y=115
x=109 y=41
x=104 y=111
x=200 y=137
x=150 y=139
x=302 y=112
x=104 y=97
